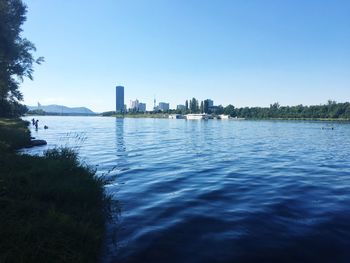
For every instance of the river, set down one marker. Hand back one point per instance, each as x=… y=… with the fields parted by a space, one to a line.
x=217 y=191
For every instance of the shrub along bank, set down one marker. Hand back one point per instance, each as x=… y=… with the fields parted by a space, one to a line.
x=52 y=208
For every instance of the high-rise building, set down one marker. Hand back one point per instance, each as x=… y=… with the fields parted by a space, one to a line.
x=163 y=106
x=142 y=107
x=119 y=98
x=180 y=107
x=210 y=103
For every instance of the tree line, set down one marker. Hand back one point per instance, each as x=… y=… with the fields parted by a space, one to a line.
x=17 y=60
x=193 y=106
x=331 y=109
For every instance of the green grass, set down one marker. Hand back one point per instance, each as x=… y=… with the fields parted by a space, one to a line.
x=52 y=208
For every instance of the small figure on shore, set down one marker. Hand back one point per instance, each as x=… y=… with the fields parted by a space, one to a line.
x=36 y=124
x=33 y=121
x=46 y=127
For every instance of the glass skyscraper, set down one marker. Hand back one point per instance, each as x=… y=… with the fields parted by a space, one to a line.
x=119 y=98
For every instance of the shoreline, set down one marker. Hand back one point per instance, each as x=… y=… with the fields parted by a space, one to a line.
x=233 y=118
x=166 y=116
x=302 y=119
x=52 y=206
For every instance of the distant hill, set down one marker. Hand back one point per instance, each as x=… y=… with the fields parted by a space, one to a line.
x=60 y=109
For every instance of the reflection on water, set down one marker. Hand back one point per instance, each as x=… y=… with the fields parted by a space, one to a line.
x=219 y=191
x=119 y=141
x=121 y=158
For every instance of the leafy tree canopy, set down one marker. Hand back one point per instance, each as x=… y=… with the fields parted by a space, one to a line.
x=16 y=56
x=330 y=110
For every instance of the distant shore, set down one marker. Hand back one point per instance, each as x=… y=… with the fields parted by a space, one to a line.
x=141 y=115
x=300 y=119
x=166 y=115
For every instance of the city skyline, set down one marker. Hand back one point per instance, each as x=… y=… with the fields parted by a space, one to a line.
x=175 y=131
x=235 y=52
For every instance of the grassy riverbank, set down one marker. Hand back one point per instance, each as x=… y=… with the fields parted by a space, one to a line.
x=52 y=208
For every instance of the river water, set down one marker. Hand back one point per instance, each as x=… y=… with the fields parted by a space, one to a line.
x=218 y=191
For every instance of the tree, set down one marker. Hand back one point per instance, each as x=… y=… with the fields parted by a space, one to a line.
x=330 y=110
x=331 y=102
x=194 y=105
x=16 y=57
x=274 y=109
x=202 y=107
x=219 y=110
x=230 y=110
x=186 y=105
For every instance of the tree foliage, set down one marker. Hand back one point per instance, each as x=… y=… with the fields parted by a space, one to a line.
x=202 y=107
x=332 y=110
x=16 y=57
x=230 y=110
x=194 y=107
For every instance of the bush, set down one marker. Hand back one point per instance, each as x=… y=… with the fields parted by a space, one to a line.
x=52 y=209
x=14 y=134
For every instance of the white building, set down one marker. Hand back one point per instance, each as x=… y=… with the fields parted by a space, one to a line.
x=135 y=105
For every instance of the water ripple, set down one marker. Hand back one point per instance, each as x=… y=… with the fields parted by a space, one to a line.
x=219 y=191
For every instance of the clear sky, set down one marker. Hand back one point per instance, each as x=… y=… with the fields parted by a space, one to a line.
x=243 y=52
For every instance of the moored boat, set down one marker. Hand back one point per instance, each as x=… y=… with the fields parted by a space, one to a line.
x=201 y=116
x=176 y=116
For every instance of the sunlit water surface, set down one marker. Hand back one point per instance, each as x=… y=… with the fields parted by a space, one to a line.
x=218 y=191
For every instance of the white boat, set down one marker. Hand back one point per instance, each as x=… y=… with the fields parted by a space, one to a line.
x=176 y=116
x=224 y=117
x=201 y=116
x=237 y=119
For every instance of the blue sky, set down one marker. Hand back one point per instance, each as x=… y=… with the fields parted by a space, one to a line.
x=243 y=52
